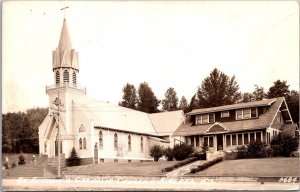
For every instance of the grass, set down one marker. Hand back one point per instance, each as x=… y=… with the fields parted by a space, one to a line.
x=135 y=168
x=254 y=167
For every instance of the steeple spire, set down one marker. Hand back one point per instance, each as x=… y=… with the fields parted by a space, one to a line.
x=64 y=41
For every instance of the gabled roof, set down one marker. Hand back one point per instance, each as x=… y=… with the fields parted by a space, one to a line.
x=262 y=122
x=115 y=117
x=166 y=123
x=265 y=102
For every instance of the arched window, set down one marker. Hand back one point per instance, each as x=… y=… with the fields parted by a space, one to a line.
x=80 y=143
x=100 y=140
x=66 y=76
x=82 y=128
x=129 y=143
x=57 y=78
x=142 y=144
x=74 y=78
x=116 y=141
x=84 y=143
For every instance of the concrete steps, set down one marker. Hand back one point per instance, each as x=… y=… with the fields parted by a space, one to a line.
x=53 y=162
x=29 y=170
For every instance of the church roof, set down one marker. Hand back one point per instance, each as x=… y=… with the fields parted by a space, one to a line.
x=111 y=116
x=166 y=123
x=65 y=40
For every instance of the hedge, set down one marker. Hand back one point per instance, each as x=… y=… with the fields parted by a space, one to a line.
x=181 y=163
x=206 y=165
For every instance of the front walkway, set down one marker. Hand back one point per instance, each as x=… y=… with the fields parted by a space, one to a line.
x=184 y=170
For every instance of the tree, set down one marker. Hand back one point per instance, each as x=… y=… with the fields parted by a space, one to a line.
x=246 y=97
x=73 y=160
x=182 y=151
x=279 y=89
x=156 y=152
x=194 y=103
x=170 y=103
x=293 y=105
x=218 y=89
x=129 y=97
x=147 y=101
x=259 y=93
x=285 y=144
x=183 y=104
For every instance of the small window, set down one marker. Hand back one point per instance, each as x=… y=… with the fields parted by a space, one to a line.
x=142 y=144
x=211 y=141
x=205 y=118
x=253 y=112
x=84 y=143
x=199 y=119
x=240 y=139
x=228 y=140
x=197 y=141
x=247 y=114
x=258 y=136
x=66 y=76
x=80 y=143
x=224 y=114
x=100 y=140
x=57 y=78
x=246 y=139
x=211 y=117
x=234 y=139
x=129 y=143
x=239 y=114
x=116 y=141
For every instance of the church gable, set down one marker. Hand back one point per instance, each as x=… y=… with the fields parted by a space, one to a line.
x=217 y=127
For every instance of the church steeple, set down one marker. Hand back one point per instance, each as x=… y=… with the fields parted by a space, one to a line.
x=65 y=59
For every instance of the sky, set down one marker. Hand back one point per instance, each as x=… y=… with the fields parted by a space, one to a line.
x=165 y=43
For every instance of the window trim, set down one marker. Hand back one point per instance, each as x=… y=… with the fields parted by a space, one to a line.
x=208 y=142
x=199 y=119
x=223 y=114
x=243 y=116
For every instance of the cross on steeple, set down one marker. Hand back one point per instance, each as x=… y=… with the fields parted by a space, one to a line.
x=64 y=8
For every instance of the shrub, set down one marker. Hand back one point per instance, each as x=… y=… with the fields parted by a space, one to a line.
x=256 y=149
x=73 y=160
x=204 y=147
x=22 y=160
x=5 y=164
x=170 y=168
x=206 y=165
x=182 y=151
x=168 y=152
x=156 y=151
x=286 y=142
x=242 y=152
x=276 y=150
x=13 y=165
x=181 y=163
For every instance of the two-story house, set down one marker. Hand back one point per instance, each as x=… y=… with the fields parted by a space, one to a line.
x=226 y=127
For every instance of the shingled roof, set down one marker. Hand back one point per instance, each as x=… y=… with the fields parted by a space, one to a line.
x=264 y=120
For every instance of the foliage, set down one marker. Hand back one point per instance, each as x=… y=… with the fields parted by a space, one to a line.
x=5 y=164
x=183 y=104
x=13 y=165
x=129 y=97
x=246 y=97
x=182 y=151
x=20 y=130
x=204 y=146
x=256 y=149
x=279 y=89
x=168 y=152
x=218 y=89
x=259 y=93
x=73 y=160
x=147 y=101
x=206 y=165
x=156 y=152
x=22 y=160
x=194 y=103
x=170 y=103
x=284 y=144
x=179 y=164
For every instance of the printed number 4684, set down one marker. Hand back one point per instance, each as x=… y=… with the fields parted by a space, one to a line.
x=287 y=179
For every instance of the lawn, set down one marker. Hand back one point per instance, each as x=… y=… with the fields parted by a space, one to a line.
x=137 y=168
x=254 y=167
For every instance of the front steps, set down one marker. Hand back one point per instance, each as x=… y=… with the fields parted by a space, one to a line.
x=27 y=170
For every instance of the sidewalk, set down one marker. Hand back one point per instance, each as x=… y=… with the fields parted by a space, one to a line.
x=185 y=169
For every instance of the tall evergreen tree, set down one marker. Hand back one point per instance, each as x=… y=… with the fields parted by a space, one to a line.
x=183 y=104
x=194 y=103
x=279 y=89
x=247 y=97
x=129 y=97
x=147 y=101
x=170 y=103
x=218 y=89
x=259 y=93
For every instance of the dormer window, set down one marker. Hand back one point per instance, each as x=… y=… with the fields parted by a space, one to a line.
x=246 y=113
x=206 y=118
x=224 y=114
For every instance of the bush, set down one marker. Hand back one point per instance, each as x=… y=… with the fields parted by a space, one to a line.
x=286 y=142
x=22 y=160
x=256 y=149
x=168 y=152
x=156 y=151
x=200 y=155
x=13 y=165
x=242 y=152
x=5 y=164
x=182 y=151
x=73 y=160
x=181 y=163
x=206 y=165
x=170 y=168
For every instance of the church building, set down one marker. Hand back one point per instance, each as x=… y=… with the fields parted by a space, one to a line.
x=99 y=131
